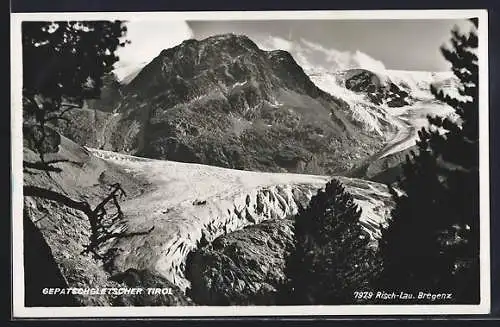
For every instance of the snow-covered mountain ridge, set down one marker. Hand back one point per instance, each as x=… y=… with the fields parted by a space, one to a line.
x=398 y=124
x=330 y=69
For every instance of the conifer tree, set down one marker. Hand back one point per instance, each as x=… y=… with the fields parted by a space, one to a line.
x=432 y=241
x=332 y=257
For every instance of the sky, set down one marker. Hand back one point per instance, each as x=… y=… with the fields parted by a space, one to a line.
x=398 y=44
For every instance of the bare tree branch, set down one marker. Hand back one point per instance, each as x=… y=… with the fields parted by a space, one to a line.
x=57 y=118
x=100 y=232
x=60 y=115
x=71 y=105
x=58 y=197
x=41 y=166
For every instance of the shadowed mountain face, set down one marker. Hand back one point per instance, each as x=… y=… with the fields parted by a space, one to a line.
x=222 y=101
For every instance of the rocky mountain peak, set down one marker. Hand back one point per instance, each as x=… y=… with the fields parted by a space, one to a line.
x=210 y=48
x=223 y=101
x=230 y=41
x=219 y=62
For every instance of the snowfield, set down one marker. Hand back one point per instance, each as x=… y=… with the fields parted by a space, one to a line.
x=188 y=202
x=182 y=183
x=412 y=119
x=399 y=125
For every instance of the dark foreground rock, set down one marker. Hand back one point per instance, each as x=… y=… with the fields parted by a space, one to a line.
x=242 y=268
x=41 y=271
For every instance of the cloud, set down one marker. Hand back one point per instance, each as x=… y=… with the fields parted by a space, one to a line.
x=362 y=60
x=313 y=57
x=148 y=39
x=273 y=43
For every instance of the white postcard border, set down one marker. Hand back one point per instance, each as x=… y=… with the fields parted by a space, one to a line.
x=20 y=311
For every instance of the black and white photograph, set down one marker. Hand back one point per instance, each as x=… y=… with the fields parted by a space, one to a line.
x=250 y=163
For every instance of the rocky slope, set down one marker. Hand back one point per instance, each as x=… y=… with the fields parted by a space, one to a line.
x=375 y=88
x=245 y=267
x=223 y=101
x=55 y=235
